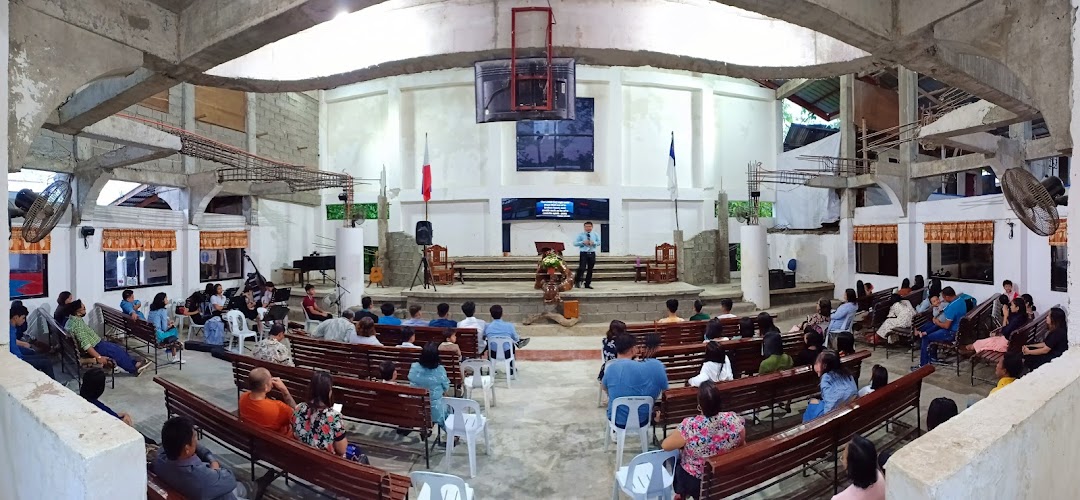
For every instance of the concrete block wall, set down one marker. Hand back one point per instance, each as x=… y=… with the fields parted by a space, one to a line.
x=699 y=254
x=287 y=127
x=403 y=255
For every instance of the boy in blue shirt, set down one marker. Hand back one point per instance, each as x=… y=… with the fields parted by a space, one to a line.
x=443 y=321
x=130 y=306
x=943 y=328
x=388 y=318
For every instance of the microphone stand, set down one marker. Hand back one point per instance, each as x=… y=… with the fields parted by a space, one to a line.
x=337 y=285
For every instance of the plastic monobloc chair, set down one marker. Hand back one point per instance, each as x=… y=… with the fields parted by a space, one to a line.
x=498 y=348
x=477 y=380
x=647 y=476
x=436 y=486
x=238 y=329
x=465 y=420
x=633 y=423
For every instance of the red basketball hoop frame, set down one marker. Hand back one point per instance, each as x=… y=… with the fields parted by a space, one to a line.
x=549 y=99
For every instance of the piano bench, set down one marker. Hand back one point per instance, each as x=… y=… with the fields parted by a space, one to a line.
x=290 y=275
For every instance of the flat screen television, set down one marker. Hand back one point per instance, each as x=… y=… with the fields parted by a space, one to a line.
x=591 y=209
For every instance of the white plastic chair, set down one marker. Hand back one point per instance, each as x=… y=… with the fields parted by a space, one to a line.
x=477 y=380
x=238 y=329
x=498 y=347
x=830 y=336
x=436 y=486
x=647 y=476
x=632 y=404
x=465 y=420
x=310 y=324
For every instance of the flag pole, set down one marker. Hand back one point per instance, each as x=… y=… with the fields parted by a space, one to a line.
x=677 y=228
x=426 y=160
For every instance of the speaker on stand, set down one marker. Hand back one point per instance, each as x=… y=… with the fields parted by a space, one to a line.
x=424 y=234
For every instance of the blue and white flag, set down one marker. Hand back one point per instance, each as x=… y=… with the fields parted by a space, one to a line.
x=672 y=182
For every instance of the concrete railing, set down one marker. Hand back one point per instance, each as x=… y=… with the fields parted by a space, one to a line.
x=1019 y=443
x=56 y=445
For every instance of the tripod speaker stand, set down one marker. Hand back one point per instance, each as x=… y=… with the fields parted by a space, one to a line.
x=424 y=266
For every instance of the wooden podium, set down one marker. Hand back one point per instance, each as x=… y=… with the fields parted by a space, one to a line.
x=557 y=246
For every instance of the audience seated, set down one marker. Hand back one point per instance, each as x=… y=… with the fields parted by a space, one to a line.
x=901 y=315
x=698 y=315
x=765 y=324
x=21 y=349
x=815 y=343
x=273 y=348
x=775 y=357
x=714 y=330
x=130 y=306
x=879 y=377
x=387 y=318
x=998 y=340
x=607 y=349
x=366 y=336
x=365 y=311
x=673 y=312
x=869 y=288
x=1055 y=344
x=443 y=321
x=336 y=329
x=1000 y=312
x=414 y=317
x=845 y=344
x=217 y=299
x=449 y=342
x=1008 y=290
x=61 y=314
x=716 y=368
x=190 y=468
x=503 y=329
x=1031 y=304
x=746 y=329
x=310 y=305
x=943 y=328
x=860 y=458
x=166 y=332
x=842 y=318
x=905 y=288
x=387 y=371
x=819 y=321
x=837 y=386
x=408 y=335
x=315 y=423
x=860 y=289
x=940 y=410
x=93 y=386
x=259 y=410
x=471 y=321
x=427 y=373
x=703 y=436
x=725 y=309
x=626 y=377
x=918 y=284
x=1009 y=368
x=102 y=351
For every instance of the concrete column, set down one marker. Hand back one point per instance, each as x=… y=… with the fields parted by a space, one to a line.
x=755 y=265
x=845 y=273
x=349 y=271
x=250 y=123
x=187 y=122
x=1074 y=178
x=909 y=113
x=847 y=116
x=723 y=245
x=620 y=237
x=384 y=238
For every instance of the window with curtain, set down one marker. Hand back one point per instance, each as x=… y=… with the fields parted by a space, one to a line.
x=29 y=275
x=136 y=268
x=877 y=258
x=225 y=264
x=969 y=262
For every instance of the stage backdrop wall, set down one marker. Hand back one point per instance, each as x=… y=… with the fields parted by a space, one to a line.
x=720 y=124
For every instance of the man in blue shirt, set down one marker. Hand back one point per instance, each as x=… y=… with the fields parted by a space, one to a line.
x=130 y=306
x=190 y=468
x=22 y=350
x=625 y=377
x=943 y=328
x=443 y=321
x=365 y=311
x=499 y=329
x=388 y=315
x=414 y=317
x=588 y=243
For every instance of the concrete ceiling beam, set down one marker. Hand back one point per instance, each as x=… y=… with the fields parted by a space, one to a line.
x=792 y=87
x=132 y=133
x=139 y=24
x=152 y=177
x=105 y=98
x=862 y=23
x=121 y=157
x=979 y=142
x=950 y=165
x=979 y=116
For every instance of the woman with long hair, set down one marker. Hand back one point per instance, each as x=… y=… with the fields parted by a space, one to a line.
x=607 y=348
x=775 y=357
x=716 y=368
x=61 y=313
x=315 y=423
x=998 y=340
x=819 y=321
x=166 y=331
x=837 y=386
x=1055 y=344
x=860 y=458
x=428 y=374
x=702 y=436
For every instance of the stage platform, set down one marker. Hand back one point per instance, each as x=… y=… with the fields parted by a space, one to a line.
x=629 y=301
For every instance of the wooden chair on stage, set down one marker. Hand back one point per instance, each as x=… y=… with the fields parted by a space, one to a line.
x=442 y=268
x=663 y=268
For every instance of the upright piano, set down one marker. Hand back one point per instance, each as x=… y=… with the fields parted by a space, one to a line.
x=314 y=263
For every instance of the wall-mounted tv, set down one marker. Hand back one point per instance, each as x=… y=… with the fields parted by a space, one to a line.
x=558 y=145
x=594 y=209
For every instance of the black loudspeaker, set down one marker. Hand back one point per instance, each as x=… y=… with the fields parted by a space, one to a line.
x=423 y=232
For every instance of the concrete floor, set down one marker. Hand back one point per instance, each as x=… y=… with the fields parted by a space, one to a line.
x=546 y=431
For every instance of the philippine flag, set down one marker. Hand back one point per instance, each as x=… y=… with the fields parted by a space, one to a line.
x=425 y=183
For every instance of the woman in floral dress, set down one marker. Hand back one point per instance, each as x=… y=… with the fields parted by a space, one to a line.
x=315 y=423
x=703 y=436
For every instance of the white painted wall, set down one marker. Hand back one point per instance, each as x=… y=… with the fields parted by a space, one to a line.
x=817 y=255
x=720 y=124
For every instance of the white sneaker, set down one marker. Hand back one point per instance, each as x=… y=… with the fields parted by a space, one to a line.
x=614 y=437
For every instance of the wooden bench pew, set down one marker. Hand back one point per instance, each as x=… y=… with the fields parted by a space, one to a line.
x=156 y=489
x=137 y=329
x=686 y=332
x=866 y=302
x=973 y=326
x=362 y=361
x=682 y=362
x=71 y=355
x=763 y=463
x=752 y=393
x=383 y=404
x=333 y=474
x=1027 y=334
x=467 y=338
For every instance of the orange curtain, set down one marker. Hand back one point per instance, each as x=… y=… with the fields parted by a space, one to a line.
x=18 y=245
x=123 y=240
x=1060 y=237
x=977 y=232
x=875 y=234
x=222 y=240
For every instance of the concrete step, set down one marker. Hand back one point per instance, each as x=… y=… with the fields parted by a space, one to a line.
x=528 y=276
x=533 y=259
x=512 y=266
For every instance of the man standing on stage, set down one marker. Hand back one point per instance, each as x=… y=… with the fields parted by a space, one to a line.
x=587 y=242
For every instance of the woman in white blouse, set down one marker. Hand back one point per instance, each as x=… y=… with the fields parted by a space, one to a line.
x=716 y=368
